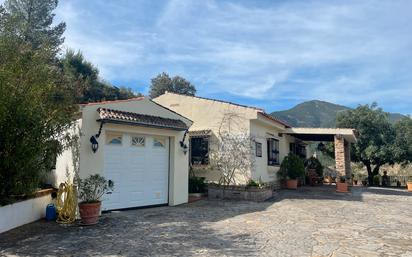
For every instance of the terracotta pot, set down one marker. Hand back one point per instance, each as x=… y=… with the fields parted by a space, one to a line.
x=292 y=184
x=409 y=184
x=89 y=213
x=341 y=187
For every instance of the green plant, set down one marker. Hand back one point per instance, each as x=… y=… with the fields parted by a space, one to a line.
x=92 y=188
x=197 y=184
x=342 y=179
x=314 y=164
x=292 y=167
x=376 y=180
x=254 y=183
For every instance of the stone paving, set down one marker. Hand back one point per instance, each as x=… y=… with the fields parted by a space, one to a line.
x=308 y=222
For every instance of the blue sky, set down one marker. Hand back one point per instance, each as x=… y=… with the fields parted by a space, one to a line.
x=270 y=54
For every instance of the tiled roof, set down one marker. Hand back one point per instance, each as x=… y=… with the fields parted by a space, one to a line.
x=132 y=118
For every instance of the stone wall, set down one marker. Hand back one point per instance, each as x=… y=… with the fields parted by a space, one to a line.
x=239 y=193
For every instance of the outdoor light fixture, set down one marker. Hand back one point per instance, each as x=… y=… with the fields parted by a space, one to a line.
x=95 y=144
x=182 y=143
x=93 y=139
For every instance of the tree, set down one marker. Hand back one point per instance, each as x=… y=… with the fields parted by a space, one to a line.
x=376 y=141
x=84 y=77
x=36 y=103
x=31 y=22
x=232 y=153
x=403 y=141
x=162 y=83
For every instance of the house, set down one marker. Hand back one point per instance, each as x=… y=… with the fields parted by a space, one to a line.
x=272 y=139
x=139 y=145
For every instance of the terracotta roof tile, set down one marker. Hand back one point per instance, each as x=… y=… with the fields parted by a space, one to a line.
x=116 y=116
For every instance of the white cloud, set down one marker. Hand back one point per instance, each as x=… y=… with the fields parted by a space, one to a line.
x=344 y=51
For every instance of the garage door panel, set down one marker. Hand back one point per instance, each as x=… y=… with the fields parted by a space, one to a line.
x=140 y=174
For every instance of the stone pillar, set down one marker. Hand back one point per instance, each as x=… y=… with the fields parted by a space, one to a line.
x=340 y=155
x=348 y=169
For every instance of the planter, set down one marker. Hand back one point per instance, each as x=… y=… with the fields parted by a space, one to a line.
x=342 y=187
x=89 y=213
x=193 y=197
x=292 y=184
x=409 y=184
x=244 y=193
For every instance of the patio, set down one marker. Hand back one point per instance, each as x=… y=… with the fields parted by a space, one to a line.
x=313 y=221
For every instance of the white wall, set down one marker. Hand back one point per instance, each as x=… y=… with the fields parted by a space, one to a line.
x=20 y=213
x=260 y=131
x=64 y=162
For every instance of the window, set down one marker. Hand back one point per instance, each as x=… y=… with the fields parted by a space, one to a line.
x=298 y=149
x=258 y=149
x=113 y=139
x=273 y=151
x=199 y=150
x=138 y=141
x=159 y=142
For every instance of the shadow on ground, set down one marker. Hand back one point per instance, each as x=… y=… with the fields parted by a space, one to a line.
x=200 y=228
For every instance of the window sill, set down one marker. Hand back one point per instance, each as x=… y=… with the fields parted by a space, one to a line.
x=200 y=166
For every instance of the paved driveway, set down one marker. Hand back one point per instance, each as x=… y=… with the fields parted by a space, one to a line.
x=308 y=222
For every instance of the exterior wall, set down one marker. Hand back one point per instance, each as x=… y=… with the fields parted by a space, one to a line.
x=20 y=213
x=208 y=114
x=261 y=132
x=93 y=163
x=64 y=163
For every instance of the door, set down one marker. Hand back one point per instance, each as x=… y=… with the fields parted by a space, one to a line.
x=139 y=167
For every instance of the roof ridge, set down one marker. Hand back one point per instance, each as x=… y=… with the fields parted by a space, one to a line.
x=217 y=100
x=114 y=101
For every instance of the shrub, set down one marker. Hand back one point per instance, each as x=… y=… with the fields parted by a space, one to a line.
x=254 y=183
x=314 y=164
x=292 y=167
x=92 y=188
x=376 y=180
x=197 y=185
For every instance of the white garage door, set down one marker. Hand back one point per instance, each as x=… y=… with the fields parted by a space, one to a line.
x=139 y=167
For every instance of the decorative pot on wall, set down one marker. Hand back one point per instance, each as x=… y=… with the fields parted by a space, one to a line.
x=292 y=184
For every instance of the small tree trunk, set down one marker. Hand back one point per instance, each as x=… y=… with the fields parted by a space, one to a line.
x=370 y=174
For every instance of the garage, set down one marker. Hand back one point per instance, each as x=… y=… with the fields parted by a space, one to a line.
x=139 y=145
x=140 y=166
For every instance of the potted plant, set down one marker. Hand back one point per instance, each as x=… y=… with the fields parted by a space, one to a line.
x=409 y=184
x=197 y=188
x=341 y=185
x=292 y=168
x=91 y=189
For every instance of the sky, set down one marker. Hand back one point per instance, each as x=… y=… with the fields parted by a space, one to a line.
x=269 y=54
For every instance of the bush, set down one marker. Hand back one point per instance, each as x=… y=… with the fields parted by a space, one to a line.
x=254 y=183
x=292 y=167
x=314 y=164
x=376 y=180
x=197 y=185
x=92 y=188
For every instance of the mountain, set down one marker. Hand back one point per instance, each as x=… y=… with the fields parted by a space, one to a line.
x=317 y=113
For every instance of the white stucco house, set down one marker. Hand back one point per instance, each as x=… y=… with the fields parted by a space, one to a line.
x=273 y=138
x=146 y=147
x=137 y=144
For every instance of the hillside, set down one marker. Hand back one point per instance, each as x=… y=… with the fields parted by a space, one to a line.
x=317 y=113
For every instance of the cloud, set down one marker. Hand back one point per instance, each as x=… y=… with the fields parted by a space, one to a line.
x=348 y=52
